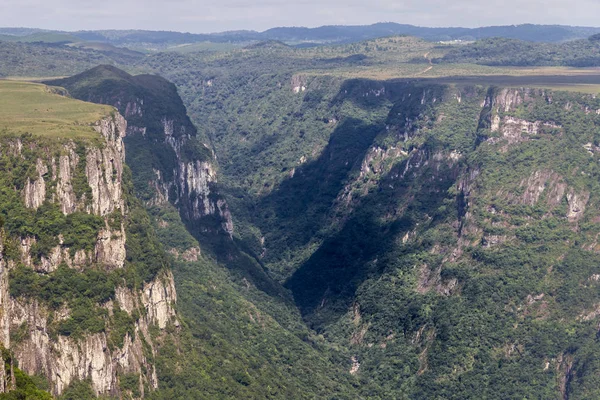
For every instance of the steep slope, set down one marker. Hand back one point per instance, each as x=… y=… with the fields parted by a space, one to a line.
x=167 y=159
x=169 y=162
x=458 y=259
x=83 y=280
x=444 y=235
x=438 y=239
x=243 y=336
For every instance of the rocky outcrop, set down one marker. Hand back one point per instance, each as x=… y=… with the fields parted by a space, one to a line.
x=577 y=203
x=35 y=192
x=64 y=188
x=104 y=167
x=192 y=188
x=158 y=299
x=298 y=83
x=103 y=170
x=93 y=357
x=516 y=130
x=110 y=248
x=175 y=164
x=512 y=129
x=83 y=177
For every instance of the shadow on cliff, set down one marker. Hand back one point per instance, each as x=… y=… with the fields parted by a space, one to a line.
x=296 y=211
x=301 y=208
x=324 y=286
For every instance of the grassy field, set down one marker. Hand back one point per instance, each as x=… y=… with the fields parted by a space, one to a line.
x=585 y=80
x=411 y=58
x=33 y=108
x=44 y=37
x=32 y=78
x=202 y=46
x=578 y=82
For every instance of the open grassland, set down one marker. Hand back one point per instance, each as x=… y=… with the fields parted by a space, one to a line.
x=203 y=46
x=410 y=58
x=34 y=108
x=585 y=80
x=414 y=70
x=32 y=78
x=582 y=82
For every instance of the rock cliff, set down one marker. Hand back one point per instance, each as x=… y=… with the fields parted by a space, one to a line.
x=168 y=160
x=83 y=180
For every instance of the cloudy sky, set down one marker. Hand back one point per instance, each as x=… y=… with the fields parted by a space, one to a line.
x=211 y=15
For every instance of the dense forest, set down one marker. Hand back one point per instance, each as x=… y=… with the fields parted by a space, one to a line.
x=348 y=237
x=503 y=51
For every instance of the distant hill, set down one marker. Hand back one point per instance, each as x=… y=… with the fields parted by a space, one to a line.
x=348 y=34
x=20 y=31
x=512 y=52
x=301 y=36
x=59 y=59
x=39 y=37
x=530 y=32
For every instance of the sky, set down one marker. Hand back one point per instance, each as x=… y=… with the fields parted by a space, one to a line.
x=201 y=16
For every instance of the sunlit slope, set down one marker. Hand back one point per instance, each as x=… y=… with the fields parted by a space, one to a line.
x=38 y=109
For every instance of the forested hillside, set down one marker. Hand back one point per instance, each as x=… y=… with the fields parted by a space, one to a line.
x=436 y=232
x=502 y=51
x=153 y=40
x=243 y=336
x=384 y=219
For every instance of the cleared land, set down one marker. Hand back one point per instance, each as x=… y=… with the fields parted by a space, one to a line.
x=582 y=82
x=34 y=108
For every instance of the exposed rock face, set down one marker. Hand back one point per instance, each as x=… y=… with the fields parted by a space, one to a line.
x=64 y=359
x=158 y=299
x=35 y=192
x=104 y=173
x=104 y=167
x=508 y=99
x=192 y=188
x=577 y=203
x=4 y=297
x=41 y=350
x=4 y=317
x=64 y=189
x=110 y=248
x=298 y=83
x=536 y=184
x=181 y=172
x=513 y=129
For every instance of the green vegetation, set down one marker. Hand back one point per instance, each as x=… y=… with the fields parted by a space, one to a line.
x=45 y=223
x=130 y=383
x=421 y=323
x=27 y=387
x=235 y=347
x=52 y=60
x=408 y=229
x=80 y=291
x=36 y=109
x=78 y=390
x=41 y=37
x=46 y=227
x=46 y=37
x=148 y=151
x=501 y=51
